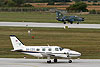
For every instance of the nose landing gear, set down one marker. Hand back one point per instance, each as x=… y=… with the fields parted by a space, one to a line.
x=55 y=60
x=70 y=61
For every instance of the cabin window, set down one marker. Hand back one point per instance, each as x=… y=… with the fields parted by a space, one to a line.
x=56 y=49
x=33 y=49
x=61 y=49
x=37 y=49
x=49 y=49
x=43 y=49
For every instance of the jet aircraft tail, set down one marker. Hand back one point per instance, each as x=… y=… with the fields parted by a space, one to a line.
x=59 y=15
x=17 y=44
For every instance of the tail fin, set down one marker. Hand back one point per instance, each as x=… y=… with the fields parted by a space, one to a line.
x=59 y=15
x=17 y=44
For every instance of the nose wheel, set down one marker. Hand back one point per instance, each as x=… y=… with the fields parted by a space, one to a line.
x=70 y=61
x=55 y=60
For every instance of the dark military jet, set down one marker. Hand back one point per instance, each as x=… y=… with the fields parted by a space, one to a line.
x=70 y=19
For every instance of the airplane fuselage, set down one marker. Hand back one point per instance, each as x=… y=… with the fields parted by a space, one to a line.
x=70 y=19
x=44 y=51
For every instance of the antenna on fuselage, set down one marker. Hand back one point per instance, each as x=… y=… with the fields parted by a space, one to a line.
x=48 y=45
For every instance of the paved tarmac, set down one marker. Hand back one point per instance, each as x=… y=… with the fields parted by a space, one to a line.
x=19 y=62
x=55 y=25
x=32 y=24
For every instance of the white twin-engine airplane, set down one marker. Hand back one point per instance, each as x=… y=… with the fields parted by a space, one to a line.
x=43 y=51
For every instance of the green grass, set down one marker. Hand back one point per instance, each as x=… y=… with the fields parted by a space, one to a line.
x=91 y=18
x=86 y=41
x=42 y=17
x=27 y=16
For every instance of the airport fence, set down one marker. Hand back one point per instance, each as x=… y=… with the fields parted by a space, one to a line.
x=22 y=9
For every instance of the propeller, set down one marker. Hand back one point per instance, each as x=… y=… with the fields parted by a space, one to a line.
x=68 y=54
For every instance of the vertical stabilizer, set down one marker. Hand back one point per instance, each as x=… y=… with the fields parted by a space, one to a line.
x=17 y=44
x=59 y=15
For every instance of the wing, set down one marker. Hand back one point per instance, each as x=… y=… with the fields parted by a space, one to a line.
x=47 y=54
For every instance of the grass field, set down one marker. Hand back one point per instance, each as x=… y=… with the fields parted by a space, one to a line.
x=86 y=41
x=42 y=17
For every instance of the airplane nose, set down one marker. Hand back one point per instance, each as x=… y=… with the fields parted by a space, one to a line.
x=75 y=53
x=79 y=54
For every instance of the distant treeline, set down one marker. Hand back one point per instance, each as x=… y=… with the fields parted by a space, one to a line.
x=21 y=6
x=45 y=1
x=22 y=9
x=14 y=3
x=23 y=3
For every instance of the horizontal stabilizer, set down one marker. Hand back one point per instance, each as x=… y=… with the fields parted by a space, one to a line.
x=16 y=50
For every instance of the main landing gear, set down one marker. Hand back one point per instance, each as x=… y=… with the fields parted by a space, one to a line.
x=77 y=22
x=64 y=22
x=49 y=61
x=55 y=60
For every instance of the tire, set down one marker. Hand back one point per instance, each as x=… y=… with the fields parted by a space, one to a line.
x=70 y=61
x=78 y=23
x=49 y=61
x=71 y=22
x=64 y=22
x=55 y=60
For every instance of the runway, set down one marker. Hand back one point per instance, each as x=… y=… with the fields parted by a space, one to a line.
x=32 y=24
x=15 y=62
x=54 y=25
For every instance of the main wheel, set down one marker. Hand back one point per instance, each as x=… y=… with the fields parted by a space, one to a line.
x=70 y=61
x=55 y=60
x=78 y=23
x=71 y=22
x=64 y=22
x=49 y=61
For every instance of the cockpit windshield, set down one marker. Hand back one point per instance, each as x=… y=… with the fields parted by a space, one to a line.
x=61 y=49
